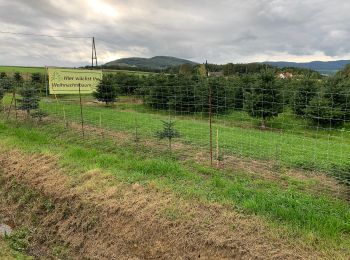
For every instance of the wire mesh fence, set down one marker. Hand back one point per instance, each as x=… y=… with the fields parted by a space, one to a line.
x=251 y=123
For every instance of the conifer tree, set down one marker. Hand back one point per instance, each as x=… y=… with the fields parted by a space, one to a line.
x=331 y=106
x=168 y=132
x=36 y=77
x=263 y=98
x=2 y=94
x=306 y=90
x=18 y=77
x=29 y=98
x=107 y=90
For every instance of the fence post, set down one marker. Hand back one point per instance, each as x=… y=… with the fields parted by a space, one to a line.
x=210 y=127
x=217 y=147
x=64 y=117
x=14 y=96
x=100 y=121
x=81 y=113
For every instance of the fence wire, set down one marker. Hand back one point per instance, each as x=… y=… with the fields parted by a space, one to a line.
x=259 y=124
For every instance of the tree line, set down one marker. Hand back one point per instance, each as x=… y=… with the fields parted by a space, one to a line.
x=324 y=102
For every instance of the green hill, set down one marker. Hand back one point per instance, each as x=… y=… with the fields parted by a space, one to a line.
x=325 y=67
x=155 y=63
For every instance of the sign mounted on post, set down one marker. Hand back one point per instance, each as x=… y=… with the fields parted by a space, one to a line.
x=73 y=81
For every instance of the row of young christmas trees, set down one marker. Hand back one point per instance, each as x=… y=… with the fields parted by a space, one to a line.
x=262 y=95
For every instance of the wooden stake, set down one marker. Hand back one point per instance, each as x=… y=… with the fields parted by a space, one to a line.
x=217 y=147
x=210 y=128
x=100 y=122
x=100 y=125
x=210 y=120
x=64 y=117
x=14 y=96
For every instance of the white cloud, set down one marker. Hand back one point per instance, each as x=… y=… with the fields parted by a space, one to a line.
x=221 y=31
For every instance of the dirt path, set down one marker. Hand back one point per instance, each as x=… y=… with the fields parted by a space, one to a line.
x=98 y=218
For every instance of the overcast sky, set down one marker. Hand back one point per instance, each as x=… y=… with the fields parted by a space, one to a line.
x=220 y=31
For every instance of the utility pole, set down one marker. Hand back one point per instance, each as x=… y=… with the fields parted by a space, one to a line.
x=93 y=53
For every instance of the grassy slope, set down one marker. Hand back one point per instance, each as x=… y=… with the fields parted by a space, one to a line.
x=295 y=146
x=7 y=253
x=321 y=221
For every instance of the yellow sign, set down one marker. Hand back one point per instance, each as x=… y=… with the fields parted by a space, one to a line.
x=69 y=81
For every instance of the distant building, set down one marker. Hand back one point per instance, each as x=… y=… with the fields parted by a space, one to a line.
x=285 y=75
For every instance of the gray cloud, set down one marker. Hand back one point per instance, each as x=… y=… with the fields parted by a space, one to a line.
x=219 y=31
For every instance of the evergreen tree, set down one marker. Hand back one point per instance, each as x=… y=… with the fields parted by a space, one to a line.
x=2 y=94
x=168 y=132
x=222 y=95
x=6 y=84
x=331 y=107
x=263 y=99
x=304 y=91
x=29 y=98
x=18 y=77
x=36 y=78
x=127 y=83
x=106 y=90
x=3 y=75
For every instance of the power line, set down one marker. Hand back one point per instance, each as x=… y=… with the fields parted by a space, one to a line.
x=46 y=35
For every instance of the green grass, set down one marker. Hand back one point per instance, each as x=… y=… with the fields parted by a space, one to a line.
x=294 y=145
x=21 y=69
x=6 y=252
x=325 y=219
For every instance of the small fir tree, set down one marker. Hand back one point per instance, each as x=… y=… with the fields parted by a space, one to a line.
x=168 y=132
x=107 y=90
x=3 y=75
x=29 y=98
x=306 y=90
x=2 y=94
x=263 y=98
x=36 y=77
x=18 y=77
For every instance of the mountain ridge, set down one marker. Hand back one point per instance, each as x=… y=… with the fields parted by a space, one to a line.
x=321 y=66
x=156 y=62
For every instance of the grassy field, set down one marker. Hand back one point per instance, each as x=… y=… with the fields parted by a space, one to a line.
x=319 y=220
x=316 y=219
x=293 y=142
x=12 y=69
